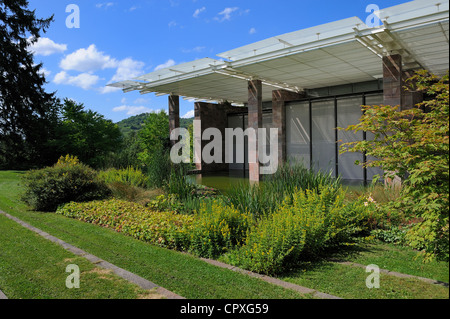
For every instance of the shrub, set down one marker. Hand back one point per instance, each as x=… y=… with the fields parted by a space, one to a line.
x=164 y=229
x=66 y=181
x=413 y=144
x=129 y=176
x=393 y=235
x=218 y=228
x=305 y=225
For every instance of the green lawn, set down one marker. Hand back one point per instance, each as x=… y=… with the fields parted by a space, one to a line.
x=350 y=283
x=32 y=267
x=178 y=272
x=192 y=278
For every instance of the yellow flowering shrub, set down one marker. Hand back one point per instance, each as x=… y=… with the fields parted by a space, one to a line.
x=306 y=223
x=164 y=229
x=218 y=228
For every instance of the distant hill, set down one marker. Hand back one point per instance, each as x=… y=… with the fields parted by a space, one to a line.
x=135 y=123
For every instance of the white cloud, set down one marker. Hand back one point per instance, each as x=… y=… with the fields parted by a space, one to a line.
x=105 y=5
x=189 y=115
x=168 y=64
x=46 y=47
x=128 y=69
x=139 y=101
x=88 y=60
x=197 y=49
x=132 y=110
x=252 y=31
x=108 y=89
x=226 y=14
x=45 y=72
x=199 y=11
x=84 y=80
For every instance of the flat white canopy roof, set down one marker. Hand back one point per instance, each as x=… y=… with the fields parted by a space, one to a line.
x=341 y=52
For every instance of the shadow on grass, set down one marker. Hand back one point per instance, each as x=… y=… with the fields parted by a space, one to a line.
x=326 y=259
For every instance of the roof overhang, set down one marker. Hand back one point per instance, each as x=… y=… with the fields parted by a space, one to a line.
x=341 y=52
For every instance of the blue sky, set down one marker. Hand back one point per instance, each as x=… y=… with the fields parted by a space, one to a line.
x=119 y=40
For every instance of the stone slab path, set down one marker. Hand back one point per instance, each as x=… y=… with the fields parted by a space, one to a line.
x=393 y=273
x=141 y=282
x=275 y=281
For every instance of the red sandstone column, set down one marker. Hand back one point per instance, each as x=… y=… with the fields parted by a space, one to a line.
x=393 y=80
x=174 y=114
x=255 y=122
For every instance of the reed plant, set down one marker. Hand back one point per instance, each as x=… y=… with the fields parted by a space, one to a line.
x=264 y=198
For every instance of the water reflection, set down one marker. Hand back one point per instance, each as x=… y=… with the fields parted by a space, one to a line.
x=221 y=181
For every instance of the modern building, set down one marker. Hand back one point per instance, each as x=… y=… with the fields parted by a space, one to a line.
x=309 y=82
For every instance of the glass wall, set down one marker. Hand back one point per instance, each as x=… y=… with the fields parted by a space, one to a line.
x=312 y=138
x=323 y=136
x=348 y=113
x=298 y=133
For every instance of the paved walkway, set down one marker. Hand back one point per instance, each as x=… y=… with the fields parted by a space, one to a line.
x=393 y=273
x=275 y=281
x=2 y=295
x=141 y=282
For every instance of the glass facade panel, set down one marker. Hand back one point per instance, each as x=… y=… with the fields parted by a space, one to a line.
x=323 y=136
x=349 y=113
x=298 y=139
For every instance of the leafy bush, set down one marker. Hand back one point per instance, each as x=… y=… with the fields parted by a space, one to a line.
x=393 y=235
x=413 y=145
x=68 y=180
x=164 y=229
x=306 y=223
x=218 y=228
x=129 y=176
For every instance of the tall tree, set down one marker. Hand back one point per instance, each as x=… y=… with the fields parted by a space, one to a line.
x=154 y=136
x=86 y=134
x=27 y=112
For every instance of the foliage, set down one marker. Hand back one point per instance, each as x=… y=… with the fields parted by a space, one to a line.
x=178 y=185
x=393 y=235
x=414 y=145
x=129 y=176
x=127 y=155
x=27 y=112
x=164 y=203
x=218 y=228
x=305 y=225
x=264 y=198
x=154 y=137
x=164 y=229
x=68 y=180
x=86 y=134
x=159 y=168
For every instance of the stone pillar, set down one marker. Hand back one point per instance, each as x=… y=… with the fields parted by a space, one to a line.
x=393 y=80
x=255 y=122
x=174 y=113
x=279 y=99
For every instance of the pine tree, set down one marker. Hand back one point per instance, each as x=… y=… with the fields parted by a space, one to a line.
x=26 y=110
